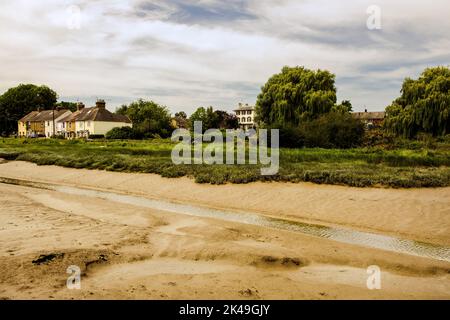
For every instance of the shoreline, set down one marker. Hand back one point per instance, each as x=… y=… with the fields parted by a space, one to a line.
x=415 y=214
x=128 y=251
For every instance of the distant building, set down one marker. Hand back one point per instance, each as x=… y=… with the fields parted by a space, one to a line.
x=246 y=116
x=40 y=123
x=79 y=124
x=370 y=119
x=95 y=121
x=179 y=123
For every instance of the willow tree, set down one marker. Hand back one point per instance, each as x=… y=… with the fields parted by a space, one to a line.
x=424 y=105
x=294 y=95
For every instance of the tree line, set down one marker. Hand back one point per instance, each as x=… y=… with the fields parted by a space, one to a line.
x=302 y=103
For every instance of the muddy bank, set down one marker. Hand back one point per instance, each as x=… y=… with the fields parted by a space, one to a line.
x=417 y=214
x=133 y=252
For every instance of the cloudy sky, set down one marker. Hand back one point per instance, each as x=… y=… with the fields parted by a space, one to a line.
x=190 y=53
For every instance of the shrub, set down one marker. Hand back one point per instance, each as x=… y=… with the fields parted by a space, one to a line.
x=333 y=130
x=96 y=136
x=124 y=133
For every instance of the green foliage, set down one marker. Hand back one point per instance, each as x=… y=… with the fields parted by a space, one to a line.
x=205 y=115
x=295 y=95
x=124 y=133
x=181 y=115
x=331 y=130
x=72 y=106
x=344 y=107
x=96 y=136
x=149 y=118
x=213 y=119
x=424 y=105
x=405 y=168
x=21 y=100
x=225 y=120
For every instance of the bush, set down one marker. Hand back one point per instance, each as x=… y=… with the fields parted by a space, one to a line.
x=124 y=133
x=96 y=136
x=290 y=137
x=333 y=130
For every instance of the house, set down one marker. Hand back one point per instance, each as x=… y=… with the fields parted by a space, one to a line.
x=95 y=121
x=179 y=122
x=24 y=124
x=246 y=116
x=53 y=125
x=69 y=122
x=370 y=119
x=40 y=122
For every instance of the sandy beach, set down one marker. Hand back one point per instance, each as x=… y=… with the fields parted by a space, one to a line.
x=132 y=252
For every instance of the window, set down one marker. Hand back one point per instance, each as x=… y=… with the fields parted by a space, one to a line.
x=249 y=119
x=238 y=113
x=243 y=119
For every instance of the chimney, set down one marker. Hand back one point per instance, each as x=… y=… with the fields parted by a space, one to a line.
x=80 y=106
x=40 y=109
x=101 y=104
x=365 y=110
x=58 y=108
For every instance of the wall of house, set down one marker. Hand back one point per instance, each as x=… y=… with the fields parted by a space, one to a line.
x=22 y=129
x=37 y=127
x=103 y=127
x=58 y=125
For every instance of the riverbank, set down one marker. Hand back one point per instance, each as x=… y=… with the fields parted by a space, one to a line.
x=417 y=214
x=129 y=252
x=407 y=166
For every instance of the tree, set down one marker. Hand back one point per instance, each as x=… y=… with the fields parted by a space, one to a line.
x=295 y=95
x=148 y=117
x=423 y=106
x=123 y=133
x=207 y=116
x=72 y=106
x=181 y=115
x=344 y=107
x=333 y=130
x=21 y=100
x=226 y=120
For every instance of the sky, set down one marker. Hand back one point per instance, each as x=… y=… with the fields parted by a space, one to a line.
x=186 y=54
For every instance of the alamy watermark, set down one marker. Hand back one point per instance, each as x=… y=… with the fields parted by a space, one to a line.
x=374 y=279
x=374 y=19
x=74 y=280
x=190 y=149
x=73 y=17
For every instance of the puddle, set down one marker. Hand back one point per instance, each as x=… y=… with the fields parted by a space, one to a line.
x=342 y=235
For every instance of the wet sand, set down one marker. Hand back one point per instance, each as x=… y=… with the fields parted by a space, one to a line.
x=131 y=252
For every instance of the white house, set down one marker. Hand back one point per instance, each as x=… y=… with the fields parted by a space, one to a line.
x=57 y=115
x=98 y=121
x=246 y=116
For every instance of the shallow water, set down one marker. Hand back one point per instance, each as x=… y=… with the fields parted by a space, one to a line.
x=343 y=235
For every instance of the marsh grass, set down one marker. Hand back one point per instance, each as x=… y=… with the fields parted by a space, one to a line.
x=363 y=167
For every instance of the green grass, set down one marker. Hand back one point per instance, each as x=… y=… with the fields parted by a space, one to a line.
x=363 y=167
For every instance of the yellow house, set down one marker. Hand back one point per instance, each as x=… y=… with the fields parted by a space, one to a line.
x=80 y=124
x=35 y=123
x=24 y=124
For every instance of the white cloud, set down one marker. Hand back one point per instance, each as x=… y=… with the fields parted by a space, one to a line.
x=190 y=53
